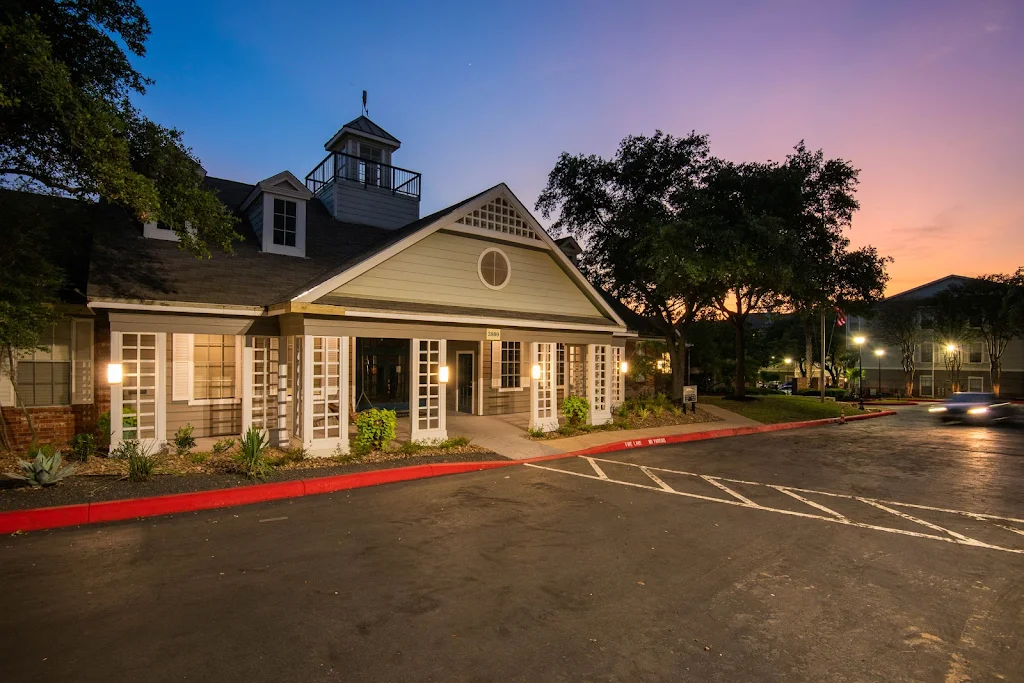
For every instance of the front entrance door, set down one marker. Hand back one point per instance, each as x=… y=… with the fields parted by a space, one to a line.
x=464 y=386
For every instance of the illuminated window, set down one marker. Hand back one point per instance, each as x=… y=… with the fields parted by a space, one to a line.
x=213 y=366
x=510 y=356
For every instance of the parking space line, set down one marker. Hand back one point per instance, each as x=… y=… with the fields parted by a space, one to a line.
x=600 y=472
x=966 y=539
x=797 y=496
x=656 y=479
x=833 y=516
x=973 y=515
x=713 y=482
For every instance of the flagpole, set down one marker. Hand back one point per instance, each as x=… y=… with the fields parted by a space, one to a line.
x=822 y=380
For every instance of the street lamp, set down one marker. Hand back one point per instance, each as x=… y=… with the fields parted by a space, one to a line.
x=878 y=354
x=859 y=341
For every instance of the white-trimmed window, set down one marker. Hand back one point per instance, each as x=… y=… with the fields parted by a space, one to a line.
x=976 y=384
x=510 y=365
x=284 y=222
x=975 y=352
x=927 y=355
x=494 y=268
x=927 y=388
x=207 y=368
x=58 y=376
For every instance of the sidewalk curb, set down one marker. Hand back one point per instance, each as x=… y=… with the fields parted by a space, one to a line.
x=37 y=519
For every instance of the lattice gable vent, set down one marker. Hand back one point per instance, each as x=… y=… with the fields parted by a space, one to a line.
x=500 y=216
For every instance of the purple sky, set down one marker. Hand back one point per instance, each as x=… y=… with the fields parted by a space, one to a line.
x=925 y=97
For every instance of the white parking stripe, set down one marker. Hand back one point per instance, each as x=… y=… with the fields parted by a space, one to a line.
x=728 y=490
x=600 y=472
x=797 y=496
x=834 y=517
x=656 y=480
x=917 y=520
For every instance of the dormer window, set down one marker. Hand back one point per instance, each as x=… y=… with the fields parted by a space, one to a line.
x=284 y=222
x=276 y=209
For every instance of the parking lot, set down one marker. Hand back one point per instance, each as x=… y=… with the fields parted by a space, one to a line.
x=886 y=550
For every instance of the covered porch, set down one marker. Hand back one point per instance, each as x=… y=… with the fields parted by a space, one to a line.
x=304 y=384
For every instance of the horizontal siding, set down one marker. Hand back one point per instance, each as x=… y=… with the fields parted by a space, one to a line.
x=374 y=206
x=443 y=268
x=215 y=420
x=503 y=402
x=256 y=217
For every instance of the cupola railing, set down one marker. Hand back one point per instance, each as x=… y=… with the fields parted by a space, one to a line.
x=339 y=166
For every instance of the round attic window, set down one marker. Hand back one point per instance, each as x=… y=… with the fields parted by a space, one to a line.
x=494 y=268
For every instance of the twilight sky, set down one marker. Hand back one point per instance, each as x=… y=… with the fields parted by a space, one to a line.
x=925 y=97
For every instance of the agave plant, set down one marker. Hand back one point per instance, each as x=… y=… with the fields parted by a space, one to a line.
x=43 y=470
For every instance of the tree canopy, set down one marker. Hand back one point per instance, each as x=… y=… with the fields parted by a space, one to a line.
x=68 y=125
x=630 y=212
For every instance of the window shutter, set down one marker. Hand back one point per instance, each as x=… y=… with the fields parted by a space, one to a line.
x=82 y=362
x=496 y=365
x=525 y=364
x=182 y=367
x=6 y=387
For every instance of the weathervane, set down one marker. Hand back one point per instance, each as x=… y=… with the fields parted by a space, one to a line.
x=366 y=112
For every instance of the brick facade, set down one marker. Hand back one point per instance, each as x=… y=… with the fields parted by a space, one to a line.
x=57 y=424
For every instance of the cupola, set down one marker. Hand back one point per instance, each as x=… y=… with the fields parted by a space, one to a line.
x=357 y=181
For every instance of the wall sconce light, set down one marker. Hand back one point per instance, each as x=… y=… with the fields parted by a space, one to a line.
x=535 y=372
x=787 y=361
x=624 y=367
x=661 y=365
x=442 y=374
x=114 y=373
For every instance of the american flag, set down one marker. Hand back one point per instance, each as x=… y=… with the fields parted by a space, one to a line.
x=840 y=317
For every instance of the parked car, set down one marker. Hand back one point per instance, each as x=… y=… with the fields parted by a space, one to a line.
x=787 y=388
x=975 y=407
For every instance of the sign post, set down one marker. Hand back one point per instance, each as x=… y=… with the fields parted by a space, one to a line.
x=690 y=397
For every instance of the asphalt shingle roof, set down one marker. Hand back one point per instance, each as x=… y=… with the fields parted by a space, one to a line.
x=365 y=125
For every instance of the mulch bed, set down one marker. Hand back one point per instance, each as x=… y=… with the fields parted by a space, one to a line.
x=87 y=488
x=666 y=419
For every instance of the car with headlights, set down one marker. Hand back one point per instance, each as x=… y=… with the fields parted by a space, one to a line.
x=974 y=407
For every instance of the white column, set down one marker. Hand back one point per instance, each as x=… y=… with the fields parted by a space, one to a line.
x=282 y=392
x=116 y=396
x=542 y=387
x=247 y=360
x=306 y=358
x=598 y=376
x=346 y=391
x=427 y=404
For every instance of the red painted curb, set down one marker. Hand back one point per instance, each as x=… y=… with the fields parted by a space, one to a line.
x=35 y=519
x=114 y=510
x=710 y=434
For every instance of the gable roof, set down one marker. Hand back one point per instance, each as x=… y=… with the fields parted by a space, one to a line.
x=365 y=127
x=930 y=289
x=418 y=230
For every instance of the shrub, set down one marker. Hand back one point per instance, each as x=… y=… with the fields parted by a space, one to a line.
x=575 y=409
x=252 y=454
x=412 y=447
x=567 y=430
x=126 y=449
x=199 y=458
x=103 y=427
x=222 y=446
x=141 y=465
x=183 y=439
x=43 y=469
x=643 y=412
x=536 y=432
x=82 y=446
x=835 y=393
x=375 y=428
x=453 y=442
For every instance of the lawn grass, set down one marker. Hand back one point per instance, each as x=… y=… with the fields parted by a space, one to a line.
x=771 y=409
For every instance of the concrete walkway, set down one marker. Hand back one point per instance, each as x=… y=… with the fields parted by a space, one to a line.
x=506 y=434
